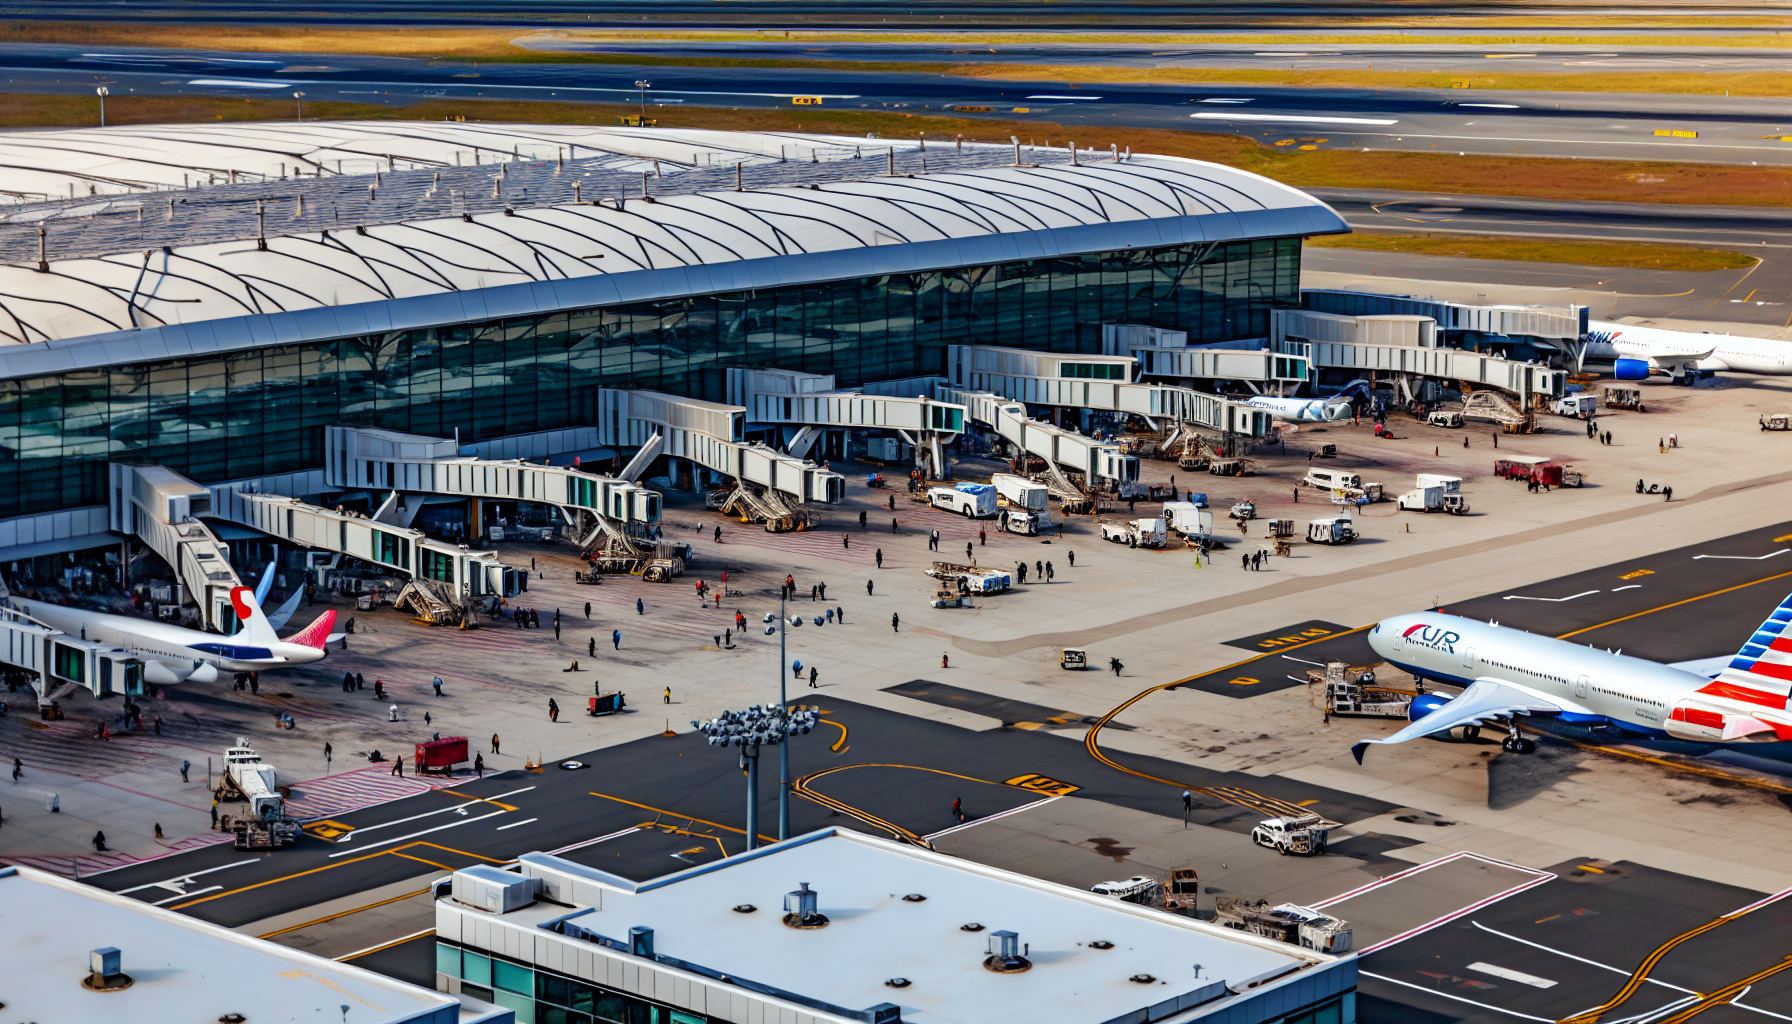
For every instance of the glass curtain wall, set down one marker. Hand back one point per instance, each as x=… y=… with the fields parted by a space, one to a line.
x=263 y=411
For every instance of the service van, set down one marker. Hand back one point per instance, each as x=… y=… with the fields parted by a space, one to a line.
x=1189 y=519
x=1333 y=479
x=973 y=501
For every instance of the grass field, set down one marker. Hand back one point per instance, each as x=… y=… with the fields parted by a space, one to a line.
x=1533 y=177
x=1635 y=255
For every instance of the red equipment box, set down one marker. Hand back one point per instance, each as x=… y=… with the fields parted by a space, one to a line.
x=441 y=755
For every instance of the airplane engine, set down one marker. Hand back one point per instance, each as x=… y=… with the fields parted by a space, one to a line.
x=204 y=673
x=1631 y=369
x=163 y=674
x=1425 y=704
x=1689 y=721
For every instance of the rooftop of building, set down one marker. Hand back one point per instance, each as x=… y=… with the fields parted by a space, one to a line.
x=180 y=968
x=183 y=224
x=896 y=913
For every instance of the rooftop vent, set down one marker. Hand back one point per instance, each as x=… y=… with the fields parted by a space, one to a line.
x=105 y=971
x=799 y=908
x=1006 y=955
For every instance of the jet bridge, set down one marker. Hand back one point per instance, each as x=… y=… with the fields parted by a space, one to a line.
x=60 y=661
x=1098 y=461
x=592 y=504
x=711 y=435
x=1101 y=382
x=806 y=404
x=162 y=507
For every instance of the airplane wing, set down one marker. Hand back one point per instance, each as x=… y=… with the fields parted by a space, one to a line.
x=1484 y=699
x=1664 y=358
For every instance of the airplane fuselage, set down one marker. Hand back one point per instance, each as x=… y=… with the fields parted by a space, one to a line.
x=180 y=653
x=1593 y=687
x=1302 y=410
x=1700 y=351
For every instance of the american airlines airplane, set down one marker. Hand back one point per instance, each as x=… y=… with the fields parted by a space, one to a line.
x=175 y=654
x=1311 y=410
x=1640 y=351
x=1737 y=702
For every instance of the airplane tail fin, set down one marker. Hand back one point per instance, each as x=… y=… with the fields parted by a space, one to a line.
x=1355 y=388
x=1761 y=672
x=318 y=633
x=256 y=627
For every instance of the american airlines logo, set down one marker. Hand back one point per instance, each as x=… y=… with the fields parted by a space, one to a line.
x=1434 y=637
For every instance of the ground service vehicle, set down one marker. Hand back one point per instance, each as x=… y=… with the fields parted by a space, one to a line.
x=1333 y=480
x=1243 y=510
x=973 y=501
x=1450 y=484
x=1302 y=835
x=1336 y=530
x=1138 y=533
x=1073 y=657
x=1189 y=519
x=604 y=704
x=265 y=825
x=1028 y=508
x=974 y=579
x=440 y=755
x=1579 y=405
x=1777 y=421
x=1140 y=889
x=1180 y=895
x=1444 y=418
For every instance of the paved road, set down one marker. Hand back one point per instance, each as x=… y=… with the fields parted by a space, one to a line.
x=1734 y=131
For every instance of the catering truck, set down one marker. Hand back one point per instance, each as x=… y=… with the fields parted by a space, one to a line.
x=973 y=501
x=1026 y=512
x=265 y=824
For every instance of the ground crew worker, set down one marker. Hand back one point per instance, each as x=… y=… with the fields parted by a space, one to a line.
x=895 y=623
x=667 y=697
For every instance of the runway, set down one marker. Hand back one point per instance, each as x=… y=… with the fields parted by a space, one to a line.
x=1556 y=124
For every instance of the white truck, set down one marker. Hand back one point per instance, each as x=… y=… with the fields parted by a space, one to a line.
x=1138 y=533
x=266 y=824
x=1335 y=530
x=1444 y=418
x=1433 y=499
x=1302 y=835
x=973 y=501
x=1450 y=484
x=1189 y=519
x=1333 y=479
x=1027 y=509
x=971 y=578
x=1579 y=405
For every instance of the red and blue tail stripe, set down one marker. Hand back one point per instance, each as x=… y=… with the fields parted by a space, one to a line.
x=1761 y=673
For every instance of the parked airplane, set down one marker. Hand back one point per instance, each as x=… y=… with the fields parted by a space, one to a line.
x=175 y=654
x=1311 y=410
x=1639 y=351
x=1736 y=702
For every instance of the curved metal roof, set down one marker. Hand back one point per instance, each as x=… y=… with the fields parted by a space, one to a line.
x=658 y=213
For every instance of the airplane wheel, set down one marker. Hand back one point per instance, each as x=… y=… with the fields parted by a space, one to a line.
x=1282 y=848
x=1471 y=733
x=1527 y=746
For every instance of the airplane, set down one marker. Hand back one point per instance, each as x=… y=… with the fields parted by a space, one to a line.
x=1737 y=702
x=1641 y=351
x=175 y=654
x=1311 y=410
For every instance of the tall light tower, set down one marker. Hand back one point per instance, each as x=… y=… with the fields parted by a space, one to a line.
x=643 y=85
x=299 y=98
x=102 y=92
x=749 y=729
x=783 y=628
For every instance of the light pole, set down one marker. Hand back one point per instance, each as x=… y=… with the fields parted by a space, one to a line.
x=783 y=702
x=102 y=92
x=643 y=85
x=749 y=730
x=299 y=98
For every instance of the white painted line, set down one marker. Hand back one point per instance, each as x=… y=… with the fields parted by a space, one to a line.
x=1511 y=975
x=1571 y=956
x=1744 y=1006
x=515 y=824
x=989 y=818
x=1446 y=995
x=1296 y=53
x=1494 y=106
x=429 y=814
x=184 y=895
x=593 y=842
x=1570 y=597
x=239 y=83
x=413 y=835
x=1229 y=99
x=1063 y=97
x=383 y=945
x=1633 y=586
x=169 y=883
x=1745 y=558
x=1293 y=118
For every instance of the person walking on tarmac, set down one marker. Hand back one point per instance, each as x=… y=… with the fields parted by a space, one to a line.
x=479 y=764
x=591 y=647
x=99 y=842
x=812 y=677
x=667 y=696
x=879 y=556
x=957 y=809
x=398 y=766
x=494 y=744
x=895 y=623
x=553 y=710
x=616 y=638
x=1114 y=663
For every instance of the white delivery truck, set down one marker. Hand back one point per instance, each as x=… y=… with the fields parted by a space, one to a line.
x=1189 y=519
x=973 y=501
x=1138 y=533
x=1336 y=530
x=1579 y=405
x=1333 y=480
x=1028 y=511
x=1450 y=484
x=1423 y=499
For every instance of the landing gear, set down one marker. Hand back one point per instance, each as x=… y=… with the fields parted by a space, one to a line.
x=1515 y=743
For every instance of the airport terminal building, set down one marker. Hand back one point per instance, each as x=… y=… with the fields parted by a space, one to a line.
x=212 y=298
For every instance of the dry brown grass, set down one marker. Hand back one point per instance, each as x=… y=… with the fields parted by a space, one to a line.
x=1637 y=255
x=1694 y=83
x=1535 y=177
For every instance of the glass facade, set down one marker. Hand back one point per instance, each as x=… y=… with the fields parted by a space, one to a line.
x=263 y=411
x=539 y=996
